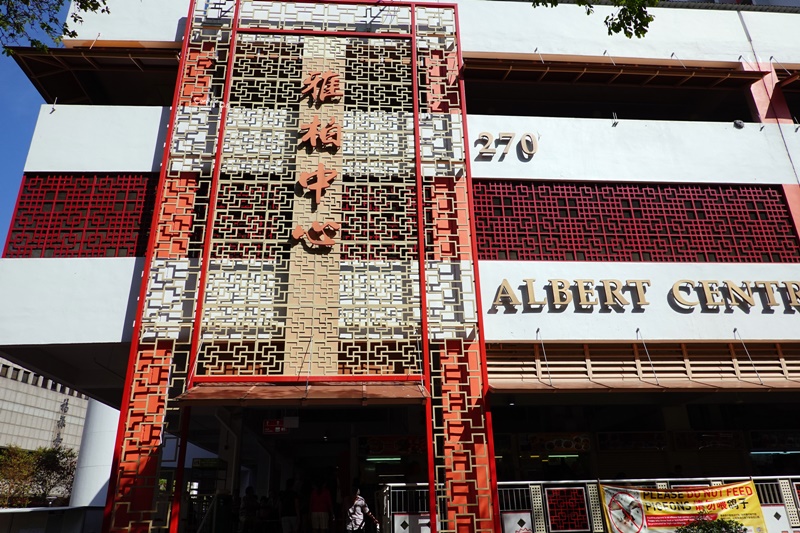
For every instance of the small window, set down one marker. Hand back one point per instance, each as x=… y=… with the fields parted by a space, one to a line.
x=4 y=371
x=15 y=373
x=25 y=377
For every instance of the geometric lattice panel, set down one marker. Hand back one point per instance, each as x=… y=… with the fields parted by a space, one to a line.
x=546 y=221
x=314 y=224
x=82 y=215
x=566 y=509
x=289 y=159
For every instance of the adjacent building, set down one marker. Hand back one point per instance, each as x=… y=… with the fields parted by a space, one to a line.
x=36 y=412
x=476 y=256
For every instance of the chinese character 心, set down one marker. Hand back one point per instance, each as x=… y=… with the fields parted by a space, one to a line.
x=319 y=234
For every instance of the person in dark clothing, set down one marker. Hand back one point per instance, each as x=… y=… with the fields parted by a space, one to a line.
x=289 y=508
x=321 y=507
x=248 y=512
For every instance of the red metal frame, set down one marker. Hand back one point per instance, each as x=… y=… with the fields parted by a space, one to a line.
x=235 y=30
x=175 y=514
x=212 y=202
x=192 y=379
x=348 y=378
x=328 y=33
x=114 y=476
x=426 y=362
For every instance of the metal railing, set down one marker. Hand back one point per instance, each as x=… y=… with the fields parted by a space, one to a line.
x=412 y=499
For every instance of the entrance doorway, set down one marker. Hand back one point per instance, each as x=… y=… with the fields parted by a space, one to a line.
x=272 y=447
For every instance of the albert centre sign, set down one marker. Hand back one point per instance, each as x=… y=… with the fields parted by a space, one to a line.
x=667 y=301
x=685 y=293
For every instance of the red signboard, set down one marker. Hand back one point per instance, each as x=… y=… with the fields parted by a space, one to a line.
x=273 y=426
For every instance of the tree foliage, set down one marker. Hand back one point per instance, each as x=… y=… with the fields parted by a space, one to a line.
x=55 y=470
x=705 y=524
x=32 y=476
x=16 y=469
x=37 y=22
x=630 y=18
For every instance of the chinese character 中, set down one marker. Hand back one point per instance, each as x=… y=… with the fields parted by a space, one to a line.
x=319 y=234
x=328 y=135
x=322 y=86
x=322 y=180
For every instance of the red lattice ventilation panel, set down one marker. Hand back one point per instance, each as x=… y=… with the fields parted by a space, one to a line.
x=546 y=221
x=82 y=215
x=567 y=509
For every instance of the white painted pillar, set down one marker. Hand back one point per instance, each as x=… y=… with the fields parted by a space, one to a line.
x=94 y=459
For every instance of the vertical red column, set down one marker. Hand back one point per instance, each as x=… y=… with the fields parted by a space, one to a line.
x=139 y=497
x=770 y=105
x=462 y=474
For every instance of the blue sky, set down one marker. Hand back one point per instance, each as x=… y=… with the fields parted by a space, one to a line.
x=19 y=103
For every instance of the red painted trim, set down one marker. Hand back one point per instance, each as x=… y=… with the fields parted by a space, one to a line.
x=212 y=202
x=432 y=500
x=14 y=214
x=175 y=515
x=376 y=3
x=365 y=378
x=137 y=325
x=329 y=33
x=487 y=411
x=426 y=371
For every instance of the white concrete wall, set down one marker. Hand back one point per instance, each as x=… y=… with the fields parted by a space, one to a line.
x=29 y=414
x=517 y=28
x=496 y=28
x=638 y=150
x=137 y=23
x=68 y=301
x=774 y=35
x=98 y=138
x=791 y=134
x=658 y=321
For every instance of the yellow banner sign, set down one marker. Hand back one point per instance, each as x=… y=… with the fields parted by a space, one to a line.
x=638 y=510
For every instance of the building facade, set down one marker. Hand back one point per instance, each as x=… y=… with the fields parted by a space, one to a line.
x=474 y=252
x=38 y=412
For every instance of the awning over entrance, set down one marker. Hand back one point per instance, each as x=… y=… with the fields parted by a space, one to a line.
x=338 y=393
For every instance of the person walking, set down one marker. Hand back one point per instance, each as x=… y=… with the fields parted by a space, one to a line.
x=248 y=512
x=321 y=507
x=359 y=512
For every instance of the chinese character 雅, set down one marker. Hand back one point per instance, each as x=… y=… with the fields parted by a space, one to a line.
x=322 y=86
